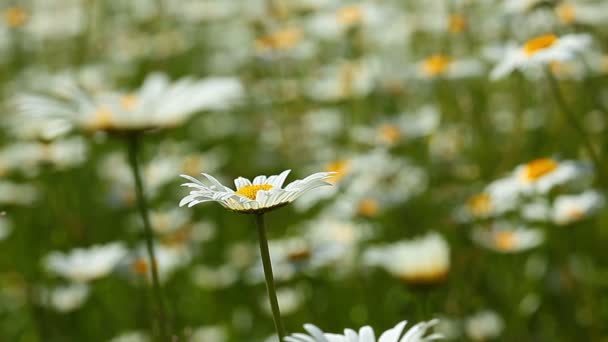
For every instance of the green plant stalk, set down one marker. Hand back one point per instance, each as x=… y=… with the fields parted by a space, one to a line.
x=272 y=293
x=133 y=147
x=572 y=119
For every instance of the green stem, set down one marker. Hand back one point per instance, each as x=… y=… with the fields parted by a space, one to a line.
x=133 y=147
x=572 y=119
x=272 y=293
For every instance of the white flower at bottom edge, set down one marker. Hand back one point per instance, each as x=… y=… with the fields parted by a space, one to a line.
x=366 y=334
x=253 y=197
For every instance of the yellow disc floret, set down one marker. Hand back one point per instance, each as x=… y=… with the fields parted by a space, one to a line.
x=566 y=13
x=15 y=16
x=456 y=23
x=349 y=15
x=436 y=65
x=480 y=204
x=128 y=102
x=340 y=167
x=250 y=191
x=539 y=43
x=505 y=241
x=539 y=168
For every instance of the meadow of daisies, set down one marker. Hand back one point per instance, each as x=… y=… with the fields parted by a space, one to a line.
x=303 y=170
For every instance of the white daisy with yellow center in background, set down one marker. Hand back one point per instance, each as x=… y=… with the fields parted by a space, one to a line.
x=543 y=174
x=158 y=104
x=424 y=260
x=540 y=51
x=568 y=209
x=417 y=333
x=252 y=197
x=504 y=239
x=86 y=264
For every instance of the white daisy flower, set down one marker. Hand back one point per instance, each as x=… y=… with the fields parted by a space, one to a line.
x=571 y=208
x=131 y=336
x=168 y=259
x=502 y=239
x=570 y=12
x=253 y=197
x=82 y=265
x=6 y=227
x=66 y=298
x=423 y=260
x=366 y=334
x=159 y=103
x=446 y=66
x=542 y=175
x=484 y=325
x=540 y=51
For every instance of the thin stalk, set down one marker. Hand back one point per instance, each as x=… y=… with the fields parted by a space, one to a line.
x=133 y=147
x=272 y=293
x=573 y=120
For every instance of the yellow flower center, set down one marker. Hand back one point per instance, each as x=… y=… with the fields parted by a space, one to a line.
x=539 y=43
x=436 y=65
x=102 y=118
x=566 y=13
x=14 y=16
x=350 y=15
x=505 y=241
x=538 y=168
x=480 y=204
x=457 y=23
x=140 y=266
x=368 y=207
x=390 y=134
x=426 y=277
x=280 y=40
x=340 y=168
x=575 y=214
x=128 y=102
x=250 y=191
x=299 y=254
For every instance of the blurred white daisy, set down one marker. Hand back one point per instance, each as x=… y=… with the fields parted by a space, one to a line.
x=66 y=298
x=540 y=51
x=503 y=239
x=86 y=264
x=572 y=208
x=484 y=325
x=542 y=175
x=158 y=103
x=260 y=195
x=417 y=333
x=440 y=65
x=571 y=12
x=423 y=260
x=131 y=336
x=168 y=259
x=17 y=194
x=6 y=227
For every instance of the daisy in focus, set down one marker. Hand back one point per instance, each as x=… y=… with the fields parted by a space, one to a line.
x=417 y=333
x=540 y=51
x=261 y=195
